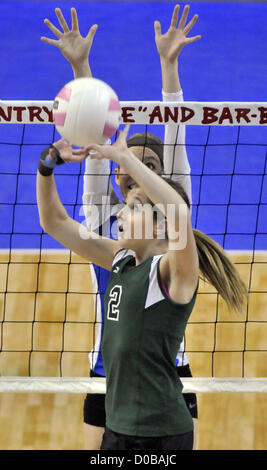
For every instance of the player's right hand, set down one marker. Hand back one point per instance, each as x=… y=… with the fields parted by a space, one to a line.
x=68 y=154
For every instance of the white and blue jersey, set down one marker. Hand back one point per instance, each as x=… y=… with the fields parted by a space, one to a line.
x=98 y=193
x=100 y=278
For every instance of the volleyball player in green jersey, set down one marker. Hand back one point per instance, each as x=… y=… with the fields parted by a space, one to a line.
x=150 y=295
x=76 y=49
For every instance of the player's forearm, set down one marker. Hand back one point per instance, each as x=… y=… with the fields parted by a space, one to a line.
x=81 y=70
x=155 y=188
x=51 y=210
x=67 y=231
x=170 y=76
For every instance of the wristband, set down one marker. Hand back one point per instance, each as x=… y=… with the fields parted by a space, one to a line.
x=47 y=163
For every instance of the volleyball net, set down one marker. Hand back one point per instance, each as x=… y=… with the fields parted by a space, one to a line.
x=47 y=299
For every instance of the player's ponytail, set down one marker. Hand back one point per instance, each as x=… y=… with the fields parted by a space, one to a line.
x=216 y=267
x=218 y=270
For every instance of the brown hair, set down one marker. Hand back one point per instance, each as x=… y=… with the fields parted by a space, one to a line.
x=147 y=140
x=215 y=265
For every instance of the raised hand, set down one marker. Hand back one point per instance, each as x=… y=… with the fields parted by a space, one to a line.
x=114 y=152
x=74 y=47
x=170 y=44
x=68 y=154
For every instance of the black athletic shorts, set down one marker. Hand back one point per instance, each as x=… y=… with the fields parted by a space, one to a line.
x=190 y=398
x=114 y=441
x=94 y=403
x=94 y=407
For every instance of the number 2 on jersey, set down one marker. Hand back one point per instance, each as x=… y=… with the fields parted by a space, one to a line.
x=114 y=302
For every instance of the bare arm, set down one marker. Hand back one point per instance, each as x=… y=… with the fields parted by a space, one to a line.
x=179 y=266
x=57 y=223
x=76 y=50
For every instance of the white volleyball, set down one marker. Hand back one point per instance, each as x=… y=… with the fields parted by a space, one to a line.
x=86 y=110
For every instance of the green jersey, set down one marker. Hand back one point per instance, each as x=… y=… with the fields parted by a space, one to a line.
x=143 y=329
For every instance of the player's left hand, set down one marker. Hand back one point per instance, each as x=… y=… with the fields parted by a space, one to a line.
x=115 y=152
x=170 y=44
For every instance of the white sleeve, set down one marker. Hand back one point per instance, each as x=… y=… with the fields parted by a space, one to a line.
x=98 y=195
x=176 y=164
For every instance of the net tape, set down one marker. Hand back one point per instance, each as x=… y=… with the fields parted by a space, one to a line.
x=98 y=385
x=150 y=112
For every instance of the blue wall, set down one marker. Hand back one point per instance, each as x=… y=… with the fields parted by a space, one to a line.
x=228 y=64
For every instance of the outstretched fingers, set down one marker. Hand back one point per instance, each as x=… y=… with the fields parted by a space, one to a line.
x=61 y=20
x=121 y=139
x=91 y=32
x=190 y=25
x=79 y=155
x=53 y=42
x=74 y=20
x=157 y=28
x=124 y=132
x=112 y=152
x=193 y=39
x=184 y=17
x=52 y=28
x=175 y=15
x=94 y=149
